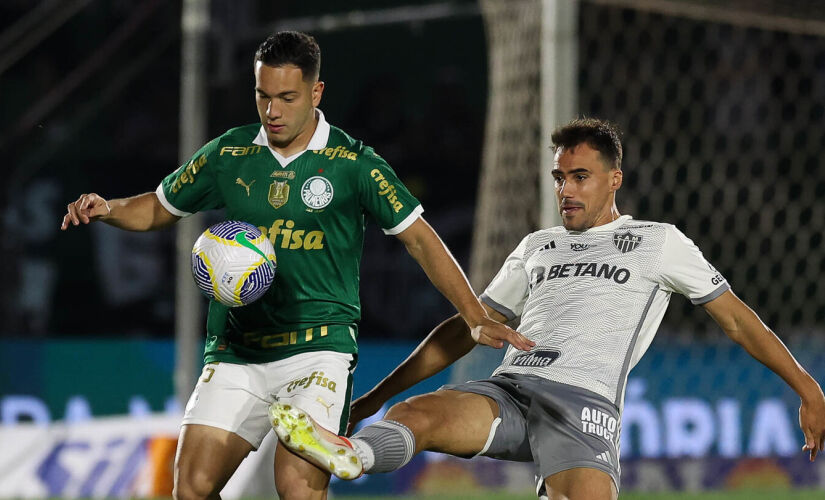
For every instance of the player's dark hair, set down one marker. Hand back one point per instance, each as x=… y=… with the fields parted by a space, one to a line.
x=291 y=47
x=600 y=135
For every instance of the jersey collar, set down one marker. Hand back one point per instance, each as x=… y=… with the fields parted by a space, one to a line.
x=610 y=226
x=317 y=141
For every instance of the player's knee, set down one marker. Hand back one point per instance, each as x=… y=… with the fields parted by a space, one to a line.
x=193 y=486
x=289 y=489
x=296 y=488
x=415 y=413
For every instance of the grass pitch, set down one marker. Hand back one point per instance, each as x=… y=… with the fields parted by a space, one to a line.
x=768 y=494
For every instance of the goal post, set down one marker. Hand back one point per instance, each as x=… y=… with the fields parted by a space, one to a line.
x=531 y=47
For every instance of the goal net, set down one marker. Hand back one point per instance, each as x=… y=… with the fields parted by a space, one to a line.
x=723 y=109
x=722 y=105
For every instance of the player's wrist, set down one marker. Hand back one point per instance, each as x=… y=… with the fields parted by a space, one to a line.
x=808 y=390
x=474 y=321
x=108 y=211
x=812 y=394
x=475 y=315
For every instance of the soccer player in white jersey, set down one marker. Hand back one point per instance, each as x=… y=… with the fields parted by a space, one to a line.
x=591 y=295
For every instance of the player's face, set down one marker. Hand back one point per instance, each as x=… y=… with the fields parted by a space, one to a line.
x=286 y=105
x=585 y=187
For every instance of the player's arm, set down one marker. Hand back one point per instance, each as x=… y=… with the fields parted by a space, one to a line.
x=745 y=328
x=432 y=255
x=143 y=212
x=445 y=344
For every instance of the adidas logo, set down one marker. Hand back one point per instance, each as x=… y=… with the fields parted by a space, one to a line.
x=604 y=457
x=548 y=246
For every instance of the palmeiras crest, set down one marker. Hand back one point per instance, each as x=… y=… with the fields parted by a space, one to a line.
x=278 y=193
x=316 y=192
x=627 y=241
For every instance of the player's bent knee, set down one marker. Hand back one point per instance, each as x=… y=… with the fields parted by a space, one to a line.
x=296 y=488
x=194 y=483
x=400 y=412
x=291 y=491
x=297 y=479
x=194 y=486
x=414 y=413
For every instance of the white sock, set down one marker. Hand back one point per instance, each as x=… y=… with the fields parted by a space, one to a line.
x=364 y=452
x=384 y=446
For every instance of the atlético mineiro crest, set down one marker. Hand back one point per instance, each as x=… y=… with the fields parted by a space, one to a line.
x=316 y=192
x=627 y=241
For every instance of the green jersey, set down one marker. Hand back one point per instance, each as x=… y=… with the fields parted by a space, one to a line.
x=312 y=206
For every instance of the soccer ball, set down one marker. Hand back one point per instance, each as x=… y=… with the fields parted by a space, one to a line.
x=233 y=263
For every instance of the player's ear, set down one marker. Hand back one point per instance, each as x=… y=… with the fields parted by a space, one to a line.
x=616 y=179
x=317 y=92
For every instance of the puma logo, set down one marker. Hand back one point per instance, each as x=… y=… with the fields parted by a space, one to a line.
x=324 y=404
x=242 y=183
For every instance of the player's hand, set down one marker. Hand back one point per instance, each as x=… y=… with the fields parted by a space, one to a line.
x=812 y=423
x=87 y=208
x=494 y=334
x=361 y=408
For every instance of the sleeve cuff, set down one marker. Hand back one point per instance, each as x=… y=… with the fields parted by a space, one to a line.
x=507 y=313
x=168 y=206
x=407 y=222
x=724 y=287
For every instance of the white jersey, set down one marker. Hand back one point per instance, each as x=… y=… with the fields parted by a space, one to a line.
x=592 y=301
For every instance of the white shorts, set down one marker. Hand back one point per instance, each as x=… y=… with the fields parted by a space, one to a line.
x=236 y=397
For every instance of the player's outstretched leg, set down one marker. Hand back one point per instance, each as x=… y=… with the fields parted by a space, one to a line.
x=448 y=421
x=298 y=432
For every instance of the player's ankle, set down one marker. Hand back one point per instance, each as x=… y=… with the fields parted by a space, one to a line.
x=364 y=452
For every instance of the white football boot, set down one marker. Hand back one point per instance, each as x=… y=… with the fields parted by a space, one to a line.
x=298 y=432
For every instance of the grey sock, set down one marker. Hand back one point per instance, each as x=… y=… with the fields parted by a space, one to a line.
x=392 y=445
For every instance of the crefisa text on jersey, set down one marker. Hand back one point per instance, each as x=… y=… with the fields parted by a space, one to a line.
x=336 y=152
x=387 y=190
x=292 y=238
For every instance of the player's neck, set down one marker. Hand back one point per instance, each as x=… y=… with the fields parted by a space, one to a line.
x=301 y=141
x=608 y=217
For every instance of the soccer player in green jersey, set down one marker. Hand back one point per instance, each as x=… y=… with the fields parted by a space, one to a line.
x=309 y=187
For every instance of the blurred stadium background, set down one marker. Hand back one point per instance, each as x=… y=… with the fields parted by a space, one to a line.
x=723 y=108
